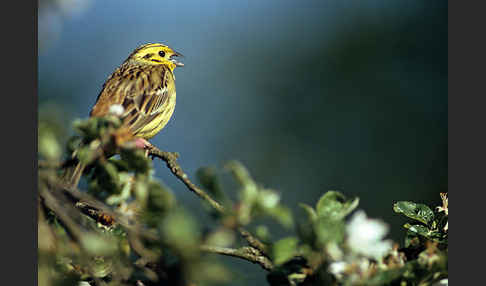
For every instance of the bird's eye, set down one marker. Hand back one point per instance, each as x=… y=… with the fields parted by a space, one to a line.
x=162 y=53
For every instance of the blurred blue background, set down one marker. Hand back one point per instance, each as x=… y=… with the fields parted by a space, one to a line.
x=310 y=96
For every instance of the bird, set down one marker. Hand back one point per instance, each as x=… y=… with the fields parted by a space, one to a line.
x=144 y=87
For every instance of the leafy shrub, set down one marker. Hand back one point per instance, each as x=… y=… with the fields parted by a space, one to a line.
x=127 y=228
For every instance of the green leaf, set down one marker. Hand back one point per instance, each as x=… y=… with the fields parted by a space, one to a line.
x=329 y=230
x=385 y=277
x=160 y=202
x=211 y=273
x=141 y=190
x=181 y=232
x=282 y=214
x=240 y=173
x=311 y=213
x=349 y=206
x=98 y=245
x=87 y=128
x=412 y=240
x=334 y=205
x=111 y=170
x=426 y=232
x=209 y=180
x=86 y=155
x=221 y=238
x=121 y=165
x=160 y=199
x=121 y=188
x=415 y=211
x=136 y=159
x=268 y=199
x=101 y=267
x=109 y=177
x=48 y=144
x=73 y=144
x=262 y=233
x=284 y=249
x=96 y=128
x=418 y=229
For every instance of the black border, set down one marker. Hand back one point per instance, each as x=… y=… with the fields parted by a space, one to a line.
x=19 y=143
x=466 y=64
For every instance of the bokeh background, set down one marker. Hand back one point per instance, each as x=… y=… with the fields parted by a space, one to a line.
x=310 y=95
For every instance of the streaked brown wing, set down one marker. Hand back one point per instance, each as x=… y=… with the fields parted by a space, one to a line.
x=141 y=91
x=144 y=108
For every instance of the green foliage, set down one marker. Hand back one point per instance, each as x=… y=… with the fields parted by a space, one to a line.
x=325 y=223
x=151 y=239
x=209 y=181
x=419 y=212
x=333 y=205
x=96 y=128
x=181 y=232
x=47 y=143
x=433 y=224
x=257 y=201
x=284 y=249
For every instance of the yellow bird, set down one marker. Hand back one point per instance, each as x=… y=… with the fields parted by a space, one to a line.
x=144 y=85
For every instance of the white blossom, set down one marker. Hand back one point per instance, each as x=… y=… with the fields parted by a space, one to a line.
x=338 y=268
x=443 y=282
x=365 y=236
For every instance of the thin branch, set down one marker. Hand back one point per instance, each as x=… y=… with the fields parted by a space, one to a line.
x=253 y=241
x=63 y=213
x=134 y=233
x=171 y=160
x=247 y=253
x=92 y=207
x=70 y=202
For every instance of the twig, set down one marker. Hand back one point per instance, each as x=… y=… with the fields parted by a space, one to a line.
x=62 y=212
x=69 y=202
x=92 y=207
x=247 y=253
x=253 y=241
x=171 y=161
x=134 y=233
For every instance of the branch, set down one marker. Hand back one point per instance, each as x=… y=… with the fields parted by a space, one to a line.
x=257 y=252
x=253 y=241
x=247 y=253
x=71 y=197
x=171 y=161
x=63 y=211
x=68 y=203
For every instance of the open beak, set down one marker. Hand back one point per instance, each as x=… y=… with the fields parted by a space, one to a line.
x=172 y=58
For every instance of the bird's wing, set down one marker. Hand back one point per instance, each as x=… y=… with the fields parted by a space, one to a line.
x=143 y=93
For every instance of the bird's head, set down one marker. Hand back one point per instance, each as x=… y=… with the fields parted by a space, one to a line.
x=156 y=54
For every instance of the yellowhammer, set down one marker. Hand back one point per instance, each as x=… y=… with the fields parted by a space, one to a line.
x=144 y=85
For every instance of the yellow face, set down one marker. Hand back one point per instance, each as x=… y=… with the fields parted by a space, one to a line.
x=156 y=54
